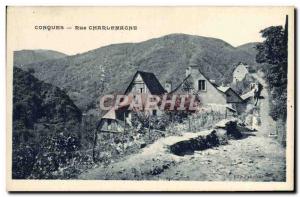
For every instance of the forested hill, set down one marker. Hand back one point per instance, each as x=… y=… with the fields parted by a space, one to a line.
x=45 y=120
x=250 y=48
x=83 y=76
x=32 y=56
x=36 y=103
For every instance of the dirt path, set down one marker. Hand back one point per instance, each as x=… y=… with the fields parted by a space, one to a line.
x=251 y=159
x=268 y=123
x=254 y=158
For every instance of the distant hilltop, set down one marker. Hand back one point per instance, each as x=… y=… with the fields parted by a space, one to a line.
x=32 y=56
x=109 y=69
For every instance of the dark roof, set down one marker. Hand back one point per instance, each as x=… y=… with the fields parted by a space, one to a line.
x=234 y=92
x=151 y=82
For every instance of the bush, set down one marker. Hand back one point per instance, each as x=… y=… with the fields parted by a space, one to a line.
x=232 y=130
x=58 y=152
x=24 y=157
x=141 y=121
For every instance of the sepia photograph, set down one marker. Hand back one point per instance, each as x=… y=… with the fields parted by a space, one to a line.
x=150 y=98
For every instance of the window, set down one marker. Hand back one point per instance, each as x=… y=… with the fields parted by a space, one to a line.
x=141 y=90
x=154 y=113
x=201 y=85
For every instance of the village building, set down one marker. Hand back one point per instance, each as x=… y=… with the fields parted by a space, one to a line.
x=142 y=83
x=249 y=97
x=145 y=83
x=240 y=72
x=218 y=98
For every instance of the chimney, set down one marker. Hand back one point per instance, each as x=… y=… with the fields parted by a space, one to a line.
x=168 y=86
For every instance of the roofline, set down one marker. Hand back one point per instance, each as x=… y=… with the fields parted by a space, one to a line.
x=175 y=89
x=140 y=71
x=211 y=82
x=137 y=72
x=131 y=81
x=235 y=93
x=229 y=88
x=190 y=75
x=214 y=85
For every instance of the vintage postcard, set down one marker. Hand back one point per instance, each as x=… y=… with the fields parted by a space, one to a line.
x=150 y=98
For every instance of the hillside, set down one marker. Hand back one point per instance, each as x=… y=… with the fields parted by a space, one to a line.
x=85 y=75
x=249 y=48
x=40 y=112
x=36 y=101
x=32 y=56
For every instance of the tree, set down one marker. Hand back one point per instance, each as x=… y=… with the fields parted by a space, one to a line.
x=31 y=70
x=272 y=52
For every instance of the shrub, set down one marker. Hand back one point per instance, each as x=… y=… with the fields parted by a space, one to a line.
x=24 y=157
x=59 y=151
x=141 y=121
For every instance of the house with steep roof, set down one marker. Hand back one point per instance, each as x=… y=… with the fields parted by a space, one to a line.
x=220 y=98
x=208 y=92
x=142 y=83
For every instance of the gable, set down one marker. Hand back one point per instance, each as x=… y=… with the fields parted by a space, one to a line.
x=200 y=76
x=138 y=78
x=212 y=93
x=149 y=80
x=137 y=85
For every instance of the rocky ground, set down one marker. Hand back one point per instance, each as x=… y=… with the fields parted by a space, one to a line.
x=254 y=157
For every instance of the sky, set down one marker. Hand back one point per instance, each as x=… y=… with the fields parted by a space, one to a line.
x=237 y=26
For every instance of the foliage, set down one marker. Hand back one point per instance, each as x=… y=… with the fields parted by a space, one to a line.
x=58 y=152
x=31 y=70
x=23 y=160
x=273 y=54
x=141 y=120
x=274 y=48
x=195 y=122
x=45 y=121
